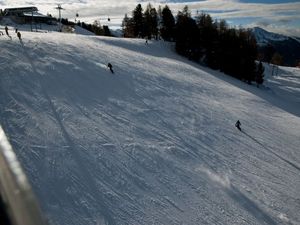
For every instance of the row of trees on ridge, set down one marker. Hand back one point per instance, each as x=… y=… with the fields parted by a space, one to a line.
x=202 y=39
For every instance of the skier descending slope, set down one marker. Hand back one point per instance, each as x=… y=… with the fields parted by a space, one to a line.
x=6 y=31
x=238 y=125
x=19 y=35
x=110 y=67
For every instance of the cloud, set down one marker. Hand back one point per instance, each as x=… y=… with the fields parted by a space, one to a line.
x=90 y=10
x=277 y=28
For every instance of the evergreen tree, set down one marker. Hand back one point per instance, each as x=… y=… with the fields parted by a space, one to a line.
x=186 y=12
x=147 y=21
x=127 y=27
x=96 y=28
x=150 y=22
x=186 y=34
x=138 y=21
x=106 y=31
x=154 y=23
x=124 y=24
x=159 y=20
x=222 y=28
x=268 y=52
x=277 y=59
x=167 y=24
x=208 y=39
x=247 y=54
x=259 y=74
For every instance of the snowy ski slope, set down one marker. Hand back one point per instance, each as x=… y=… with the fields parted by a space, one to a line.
x=154 y=143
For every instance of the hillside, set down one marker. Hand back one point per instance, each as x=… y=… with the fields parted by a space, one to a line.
x=154 y=143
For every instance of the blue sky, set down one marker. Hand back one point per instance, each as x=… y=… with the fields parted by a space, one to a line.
x=281 y=16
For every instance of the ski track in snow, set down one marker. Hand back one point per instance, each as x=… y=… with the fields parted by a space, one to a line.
x=154 y=143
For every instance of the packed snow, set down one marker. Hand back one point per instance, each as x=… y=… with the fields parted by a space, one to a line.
x=153 y=143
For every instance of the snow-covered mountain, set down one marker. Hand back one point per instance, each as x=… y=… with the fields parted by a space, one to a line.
x=287 y=47
x=153 y=143
x=264 y=37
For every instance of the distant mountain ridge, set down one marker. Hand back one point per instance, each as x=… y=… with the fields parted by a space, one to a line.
x=287 y=47
x=264 y=37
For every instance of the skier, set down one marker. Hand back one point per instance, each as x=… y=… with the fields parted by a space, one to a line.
x=6 y=30
x=110 y=67
x=19 y=35
x=238 y=125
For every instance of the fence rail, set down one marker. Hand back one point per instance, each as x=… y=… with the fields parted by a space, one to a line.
x=18 y=203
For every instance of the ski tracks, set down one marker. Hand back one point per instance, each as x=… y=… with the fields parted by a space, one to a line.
x=84 y=173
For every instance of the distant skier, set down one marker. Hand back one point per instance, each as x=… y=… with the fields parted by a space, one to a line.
x=110 y=67
x=19 y=35
x=238 y=125
x=6 y=30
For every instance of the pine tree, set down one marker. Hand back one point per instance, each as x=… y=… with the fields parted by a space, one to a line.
x=208 y=35
x=138 y=21
x=159 y=19
x=127 y=27
x=150 y=22
x=247 y=52
x=268 y=52
x=167 y=24
x=277 y=59
x=124 y=24
x=187 y=35
x=259 y=74
x=154 y=23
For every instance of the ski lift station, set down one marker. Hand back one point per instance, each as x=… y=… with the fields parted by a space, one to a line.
x=23 y=15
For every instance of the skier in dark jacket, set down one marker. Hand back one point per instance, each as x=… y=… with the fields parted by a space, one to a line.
x=6 y=30
x=19 y=35
x=238 y=125
x=110 y=67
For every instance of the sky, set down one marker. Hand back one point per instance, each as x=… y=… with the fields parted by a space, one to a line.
x=280 y=16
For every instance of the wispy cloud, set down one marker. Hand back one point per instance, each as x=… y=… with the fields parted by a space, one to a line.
x=89 y=10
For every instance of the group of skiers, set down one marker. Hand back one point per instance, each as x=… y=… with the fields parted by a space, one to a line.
x=6 y=31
